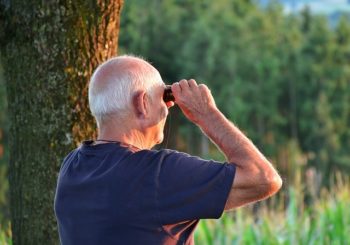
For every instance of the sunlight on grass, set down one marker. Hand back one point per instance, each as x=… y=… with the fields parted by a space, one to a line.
x=325 y=221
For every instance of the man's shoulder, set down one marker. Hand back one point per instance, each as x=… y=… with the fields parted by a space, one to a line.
x=69 y=157
x=164 y=153
x=71 y=154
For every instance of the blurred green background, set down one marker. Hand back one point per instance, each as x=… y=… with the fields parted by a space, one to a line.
x=283 y=77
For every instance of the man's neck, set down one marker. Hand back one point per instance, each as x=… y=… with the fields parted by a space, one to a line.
x=130 y=137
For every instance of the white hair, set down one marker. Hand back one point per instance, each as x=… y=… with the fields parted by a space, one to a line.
x=114 y=82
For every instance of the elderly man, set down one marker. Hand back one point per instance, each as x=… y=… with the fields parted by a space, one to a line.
x=116 y=190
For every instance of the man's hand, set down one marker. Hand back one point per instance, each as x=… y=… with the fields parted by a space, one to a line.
x=195 y=101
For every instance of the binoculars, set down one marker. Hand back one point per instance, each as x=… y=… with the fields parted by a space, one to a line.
x=168 y=94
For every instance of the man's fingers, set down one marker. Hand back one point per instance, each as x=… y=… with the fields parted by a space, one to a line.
x=184 y=85
x=185 y=88
x=192 y=83
x=203 y=87
x=176 y=89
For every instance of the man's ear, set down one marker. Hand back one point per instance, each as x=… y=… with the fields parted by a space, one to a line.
x=140 y=103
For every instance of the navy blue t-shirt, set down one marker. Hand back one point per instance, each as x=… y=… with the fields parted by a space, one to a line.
x=114 y=194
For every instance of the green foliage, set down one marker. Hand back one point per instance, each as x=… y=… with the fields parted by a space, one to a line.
x=280 y=78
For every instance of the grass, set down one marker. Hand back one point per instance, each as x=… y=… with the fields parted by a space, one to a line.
x=324 y=221
x=5 y=235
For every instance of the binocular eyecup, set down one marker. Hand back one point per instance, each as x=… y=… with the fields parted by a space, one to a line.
x=168 y=94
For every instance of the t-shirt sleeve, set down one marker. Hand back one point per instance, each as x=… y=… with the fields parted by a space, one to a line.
x=192 y=188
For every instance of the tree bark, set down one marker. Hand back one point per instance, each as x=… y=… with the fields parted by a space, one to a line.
x=49 y=50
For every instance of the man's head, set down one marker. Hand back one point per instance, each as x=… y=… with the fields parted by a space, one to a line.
x=128 y=91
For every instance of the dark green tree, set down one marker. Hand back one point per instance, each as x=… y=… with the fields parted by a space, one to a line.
x=282 y=78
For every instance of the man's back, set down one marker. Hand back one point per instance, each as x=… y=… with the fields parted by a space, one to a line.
x=112 y=194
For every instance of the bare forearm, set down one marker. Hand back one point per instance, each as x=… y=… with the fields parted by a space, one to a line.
x=231 y=141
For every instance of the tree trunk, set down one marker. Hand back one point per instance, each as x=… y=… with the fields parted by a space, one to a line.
x=49 y=50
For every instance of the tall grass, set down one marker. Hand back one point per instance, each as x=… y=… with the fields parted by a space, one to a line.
x=325 y=220
x=5 y=235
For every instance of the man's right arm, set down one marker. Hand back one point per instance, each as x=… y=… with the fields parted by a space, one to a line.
x=255 y=177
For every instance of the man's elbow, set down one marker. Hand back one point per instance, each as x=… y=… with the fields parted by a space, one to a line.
x=272 y=184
